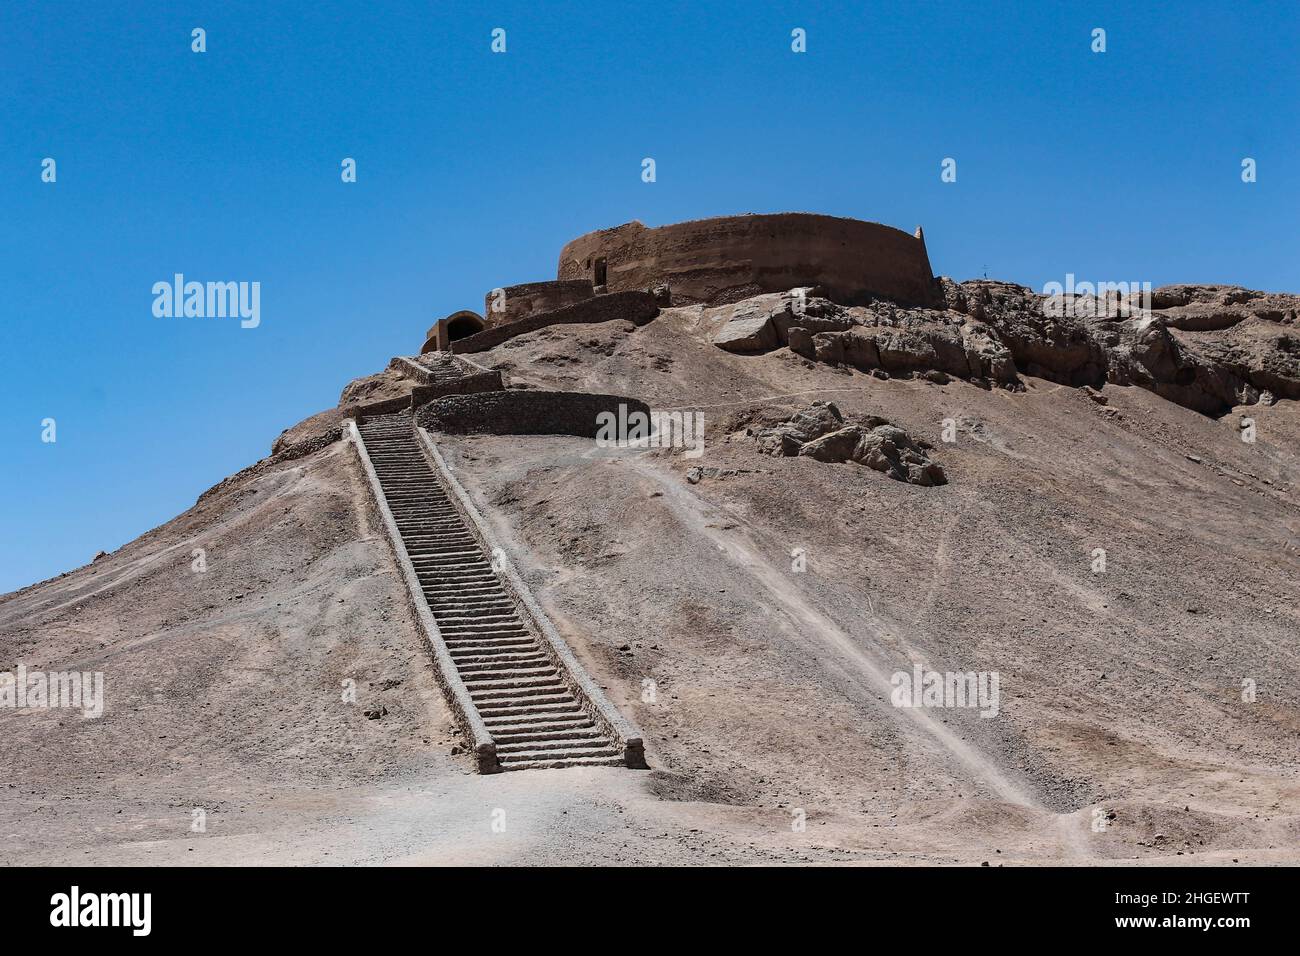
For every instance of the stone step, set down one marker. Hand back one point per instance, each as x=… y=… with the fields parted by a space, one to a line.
x=520 y=722
x=507 y=682
x=460 y=625
x=451 y=628
x=516 y=709
x=469 y=664
x=545 y=685
x=490 y=647
x=458 y=605
x=543 y=759
x=560 y=764
x=461 y=590
x=527 y=736
x=493 y=702
x=593 y=740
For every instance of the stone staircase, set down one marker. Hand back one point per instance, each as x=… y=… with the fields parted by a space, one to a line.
x=533 y=716
x=442 y=367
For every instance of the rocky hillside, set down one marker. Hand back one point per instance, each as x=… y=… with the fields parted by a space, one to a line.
x=1100 y=511
x=1208 y=348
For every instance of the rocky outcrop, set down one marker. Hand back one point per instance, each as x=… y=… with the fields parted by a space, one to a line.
x=1209 y=308
x=1207 y=348
x=820 y=432
x=765 y=322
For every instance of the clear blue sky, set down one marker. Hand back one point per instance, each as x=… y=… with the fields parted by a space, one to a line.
x=474 y=168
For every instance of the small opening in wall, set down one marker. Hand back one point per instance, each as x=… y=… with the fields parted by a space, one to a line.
x=462 y=326
x=599 y=273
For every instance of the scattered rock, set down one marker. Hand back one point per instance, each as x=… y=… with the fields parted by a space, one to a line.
x=821 y=433
x=374 y=713
x=697 y=473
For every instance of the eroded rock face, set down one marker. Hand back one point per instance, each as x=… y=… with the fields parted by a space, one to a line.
x=1208 y=348
x=820 y=432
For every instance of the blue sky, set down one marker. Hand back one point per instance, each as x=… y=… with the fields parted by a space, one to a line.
x=473 y=169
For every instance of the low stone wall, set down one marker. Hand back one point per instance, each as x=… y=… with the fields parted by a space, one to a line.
x=531 y=298
x=386 y=407
x=522 y=412
x=476 y=379
x=635 y=306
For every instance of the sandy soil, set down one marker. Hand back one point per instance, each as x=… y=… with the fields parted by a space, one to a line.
x=1120 y=691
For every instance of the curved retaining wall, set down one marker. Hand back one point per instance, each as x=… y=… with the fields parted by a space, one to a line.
x=521 y=301
x=522 y=412
x=732 y=257
x=635 y=306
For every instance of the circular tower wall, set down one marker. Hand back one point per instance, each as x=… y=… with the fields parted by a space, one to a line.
x=732 y=257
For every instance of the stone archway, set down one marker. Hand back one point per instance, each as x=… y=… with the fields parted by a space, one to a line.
x=462 y=324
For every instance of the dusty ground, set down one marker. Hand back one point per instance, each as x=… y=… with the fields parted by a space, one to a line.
x=1120 y=691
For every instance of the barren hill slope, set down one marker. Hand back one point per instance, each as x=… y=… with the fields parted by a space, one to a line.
x=763 y=690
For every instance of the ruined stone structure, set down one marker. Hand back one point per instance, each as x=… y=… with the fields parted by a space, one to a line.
x=458 y=325
x=637 y=307
x=730 y=258
x=515 y=302
x=710 y=261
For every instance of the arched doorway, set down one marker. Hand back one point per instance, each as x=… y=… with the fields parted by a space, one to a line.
x=463 y=324
x=458 y=325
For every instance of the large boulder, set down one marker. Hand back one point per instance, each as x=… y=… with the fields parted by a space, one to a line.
x=749 y=329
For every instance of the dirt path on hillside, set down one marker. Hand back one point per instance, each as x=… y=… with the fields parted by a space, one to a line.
x=694 y=512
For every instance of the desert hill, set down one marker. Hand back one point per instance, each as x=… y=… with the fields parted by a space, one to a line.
x=1121 y=690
